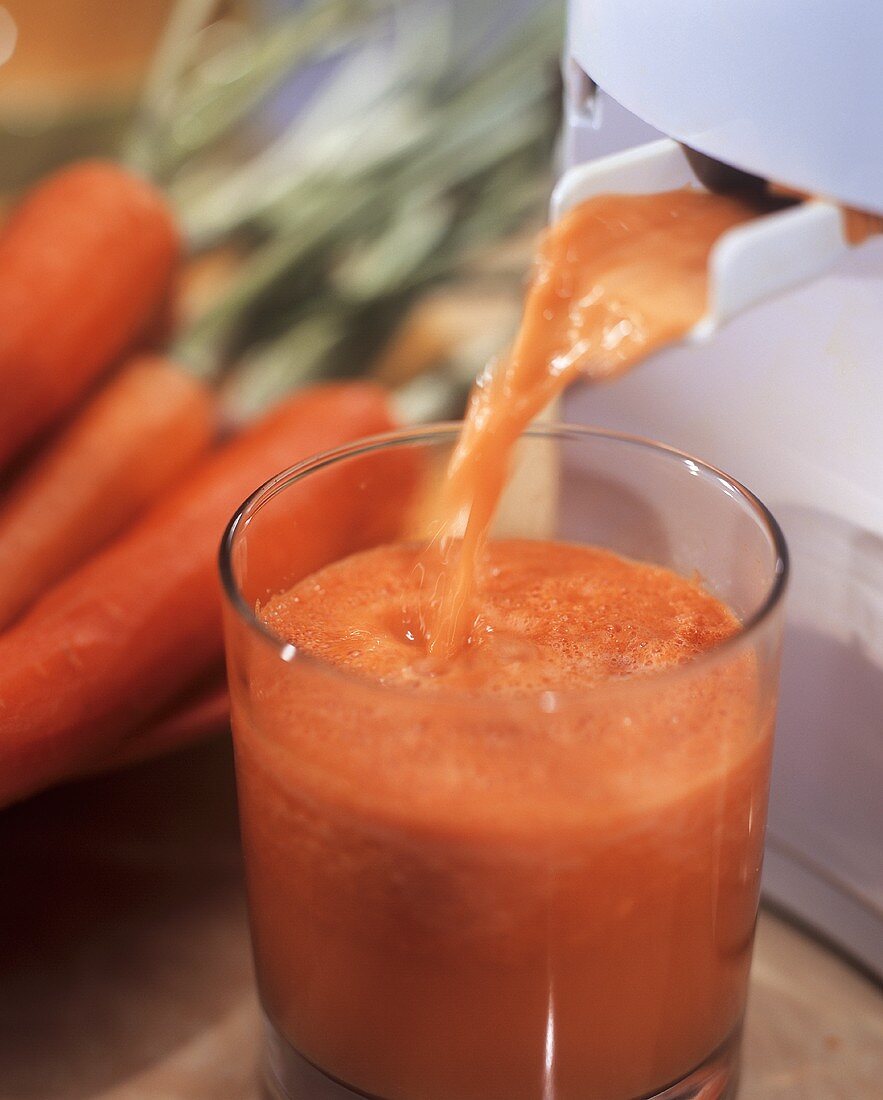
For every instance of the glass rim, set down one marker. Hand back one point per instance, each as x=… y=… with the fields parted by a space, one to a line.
x=449 y=431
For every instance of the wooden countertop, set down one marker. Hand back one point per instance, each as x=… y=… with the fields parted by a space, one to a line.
x=125 y=970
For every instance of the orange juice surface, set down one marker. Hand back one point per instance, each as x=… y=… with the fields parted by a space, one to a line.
x=526 y=871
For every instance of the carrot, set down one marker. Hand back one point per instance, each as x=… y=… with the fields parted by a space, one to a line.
x=85 y=261
x=124 y=635
x=131 y=442
x=201 y=714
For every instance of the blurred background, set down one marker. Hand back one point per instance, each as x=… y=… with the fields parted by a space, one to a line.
x=358 y=180
x=70 y=78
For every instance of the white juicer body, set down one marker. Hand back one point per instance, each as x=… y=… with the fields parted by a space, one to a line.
x=788 y=396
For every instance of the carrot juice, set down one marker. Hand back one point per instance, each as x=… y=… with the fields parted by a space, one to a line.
x=513 y=909
x=503 y=798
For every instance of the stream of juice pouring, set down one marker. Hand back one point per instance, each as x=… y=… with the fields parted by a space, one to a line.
x=616 y=278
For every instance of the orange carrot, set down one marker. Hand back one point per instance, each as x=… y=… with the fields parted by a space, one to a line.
x=123 y=636
x=85 y=261
x=130 y=443
x=203 y=713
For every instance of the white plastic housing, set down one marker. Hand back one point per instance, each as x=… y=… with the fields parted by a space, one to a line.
x=786 y=89
x=788 y=395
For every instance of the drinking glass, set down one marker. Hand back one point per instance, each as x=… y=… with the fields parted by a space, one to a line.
x=545 y=896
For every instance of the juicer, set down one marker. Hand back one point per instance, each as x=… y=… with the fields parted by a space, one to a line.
x=787 y=396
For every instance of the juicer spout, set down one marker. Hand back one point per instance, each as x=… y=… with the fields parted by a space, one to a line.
x=749 y=264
